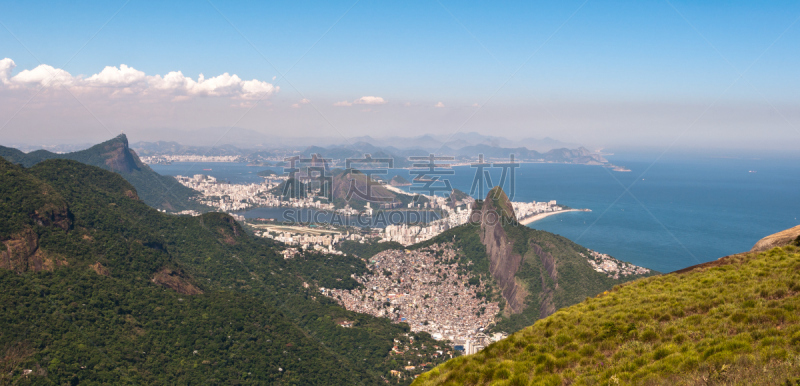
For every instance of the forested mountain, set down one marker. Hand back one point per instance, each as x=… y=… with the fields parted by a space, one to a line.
x=733 y=321
x=162 y=192
x=534 y=272
x=97 y=287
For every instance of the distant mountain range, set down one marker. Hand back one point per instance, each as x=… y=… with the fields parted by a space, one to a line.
x=158 y=191
x=397 y=149
x=472 y=153
x=254 y=140
x=433 y=143
x=247 y=140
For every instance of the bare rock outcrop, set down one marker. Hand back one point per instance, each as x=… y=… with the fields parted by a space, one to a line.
x=175 y=280
x=503 y=262
x=546 y=306
x=100 y=269
x=777 y=239
x=119 y=157
x=21 y=253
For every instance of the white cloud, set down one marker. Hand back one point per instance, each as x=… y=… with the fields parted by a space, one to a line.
x=364 y=100
x=440 y=104
x=296 y=105
x=6 y=66
x=129 y=80
x=476 y=105
x=113 y=76
x=369 y=100
x=44 y=75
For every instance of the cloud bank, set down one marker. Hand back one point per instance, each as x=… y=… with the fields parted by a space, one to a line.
x=370 y=100
x=364 y=100
x=125 y=80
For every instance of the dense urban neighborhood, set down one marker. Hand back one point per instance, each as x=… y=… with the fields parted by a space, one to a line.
x=424 y=289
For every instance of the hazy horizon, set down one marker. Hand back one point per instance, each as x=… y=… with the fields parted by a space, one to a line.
x=662 y=75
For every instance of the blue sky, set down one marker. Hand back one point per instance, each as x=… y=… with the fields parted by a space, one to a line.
x=573 y=57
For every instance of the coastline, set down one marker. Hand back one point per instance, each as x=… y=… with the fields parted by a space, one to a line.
x=540 y=216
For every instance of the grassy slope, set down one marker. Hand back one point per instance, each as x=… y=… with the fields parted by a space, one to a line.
x=733 y=323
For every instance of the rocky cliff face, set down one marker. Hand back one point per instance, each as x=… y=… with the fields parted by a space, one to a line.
x=37 y=205
x=176 y=280
x=503 y=262
x=546 y=306
x=119 y=157
x=21 y=253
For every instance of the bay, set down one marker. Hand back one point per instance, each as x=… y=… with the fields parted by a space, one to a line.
x=664 y=215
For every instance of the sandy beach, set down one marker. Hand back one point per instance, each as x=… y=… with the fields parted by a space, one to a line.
x=540 y=216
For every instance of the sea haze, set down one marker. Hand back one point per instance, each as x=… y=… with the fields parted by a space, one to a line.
x=676 y=213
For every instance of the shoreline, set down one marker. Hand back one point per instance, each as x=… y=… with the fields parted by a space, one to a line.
x=540 y=216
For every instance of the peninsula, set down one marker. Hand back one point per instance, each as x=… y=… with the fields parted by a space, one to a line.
x=539 y=216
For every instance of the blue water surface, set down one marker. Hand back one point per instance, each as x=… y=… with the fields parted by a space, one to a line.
x=665 y=215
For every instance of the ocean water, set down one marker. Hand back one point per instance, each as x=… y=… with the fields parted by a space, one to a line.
x=665 y=215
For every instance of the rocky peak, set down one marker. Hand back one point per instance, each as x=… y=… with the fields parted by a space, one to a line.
x=122 y=138
x=118 y=156
x=503 y=262
x=497 y=201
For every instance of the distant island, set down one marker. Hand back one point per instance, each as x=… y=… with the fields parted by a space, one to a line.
x=398 y=180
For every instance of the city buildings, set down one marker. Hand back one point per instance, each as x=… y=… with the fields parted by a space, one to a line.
x=604 y=263
x=425 y=289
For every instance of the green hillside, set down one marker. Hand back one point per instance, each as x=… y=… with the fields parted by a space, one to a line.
x=734 y=321
x=533 y=272
x=162 y=192
x=97 y=287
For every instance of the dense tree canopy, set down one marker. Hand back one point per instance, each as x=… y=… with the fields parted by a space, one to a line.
x=150 y=298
